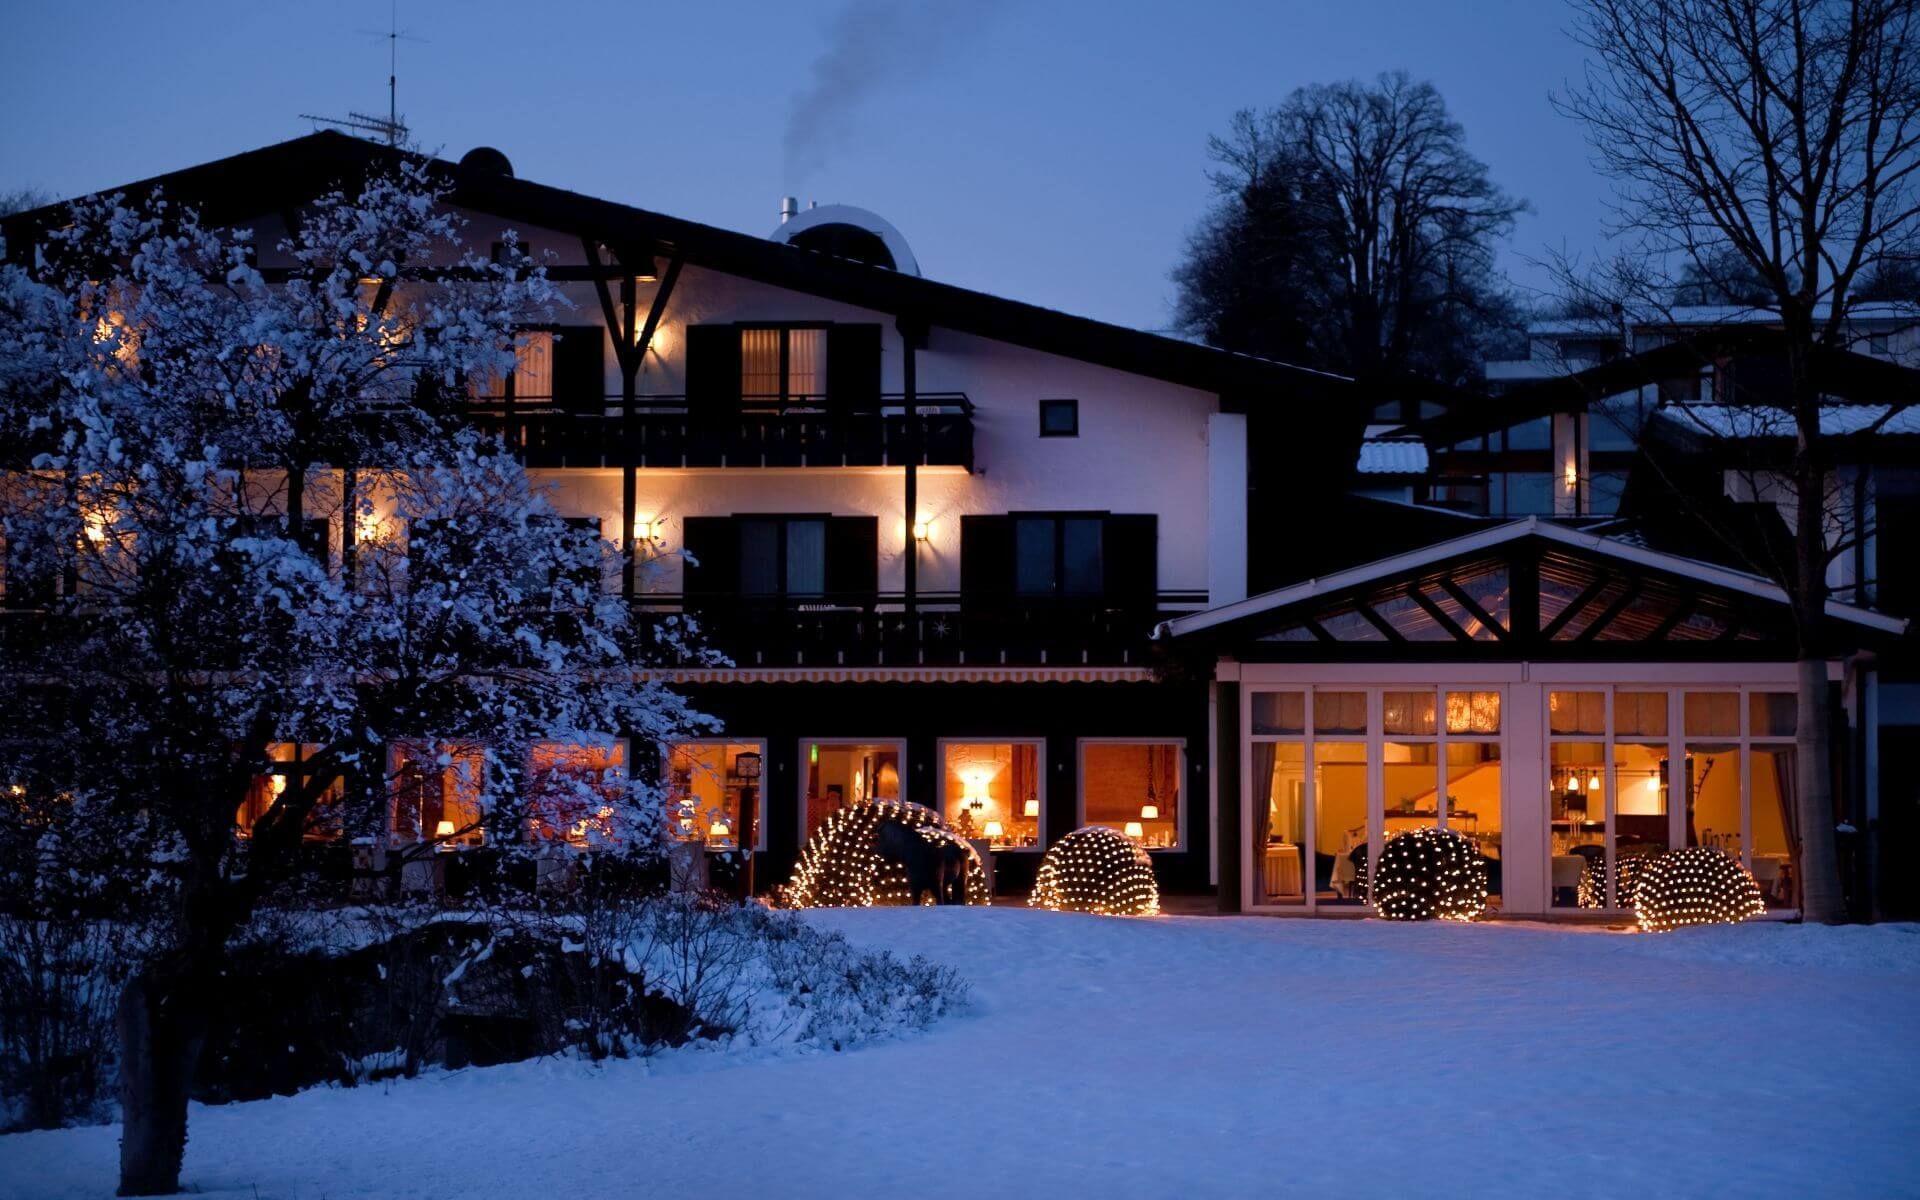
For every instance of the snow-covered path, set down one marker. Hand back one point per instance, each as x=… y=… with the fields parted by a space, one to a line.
x=1181 y=1057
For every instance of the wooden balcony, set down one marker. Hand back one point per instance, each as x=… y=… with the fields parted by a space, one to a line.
x=876 y=631
x=667 y=431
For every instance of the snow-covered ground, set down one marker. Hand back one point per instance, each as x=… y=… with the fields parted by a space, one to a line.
x=1180 y=1057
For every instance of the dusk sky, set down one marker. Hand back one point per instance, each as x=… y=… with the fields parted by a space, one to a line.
x=1052 y=151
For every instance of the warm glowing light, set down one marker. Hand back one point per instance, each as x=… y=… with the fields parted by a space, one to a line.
x=922 y=530
x=1695 y=886
x=1572 y=476
x=993 y=829
x=1593 y=782
x=367 y=527
x=652 y=528
x=277 y=784
x=1095 y=870
x=1032 y=808
x=1428 y=873
x=1135 y=831
x=96 y=530
x=1653 y=783
x=719 y=829
x=443 y=830
x=840 y=865
x=1149 y=812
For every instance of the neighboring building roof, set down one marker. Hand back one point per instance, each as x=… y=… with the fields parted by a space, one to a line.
x=1392 y=456
x=275 y=177
x=1836 y=420
x=1412 y=560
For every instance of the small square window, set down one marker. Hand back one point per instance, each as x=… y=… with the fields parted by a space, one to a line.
x=1059 y=418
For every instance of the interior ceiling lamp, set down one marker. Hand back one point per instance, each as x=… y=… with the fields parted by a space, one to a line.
x=1032 y=808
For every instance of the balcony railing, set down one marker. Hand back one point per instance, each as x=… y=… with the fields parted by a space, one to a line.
x=867 y=630
x=667 y=431
x=875 y=630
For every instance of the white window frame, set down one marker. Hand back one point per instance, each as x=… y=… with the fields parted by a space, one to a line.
x=1039 y=745
x=1180 y=774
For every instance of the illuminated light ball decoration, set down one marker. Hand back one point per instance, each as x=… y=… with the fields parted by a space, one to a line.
x=1429 y=873
x=1097 y=870
x=841 y=868
x=1695 y=886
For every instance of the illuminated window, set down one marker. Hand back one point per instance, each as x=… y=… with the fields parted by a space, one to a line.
x=840 y=773
x=783 y=364
x=1134 y=787
x=713 y=789
x=532 y=376
x=437 y=791
x=575 y=790
x=286 y=766
x=995 y=791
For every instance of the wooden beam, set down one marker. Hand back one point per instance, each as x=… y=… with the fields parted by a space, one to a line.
x=658 y=308
x=620 y=352
x=1438 y=614
x=1627 y=596
x=1574 y=606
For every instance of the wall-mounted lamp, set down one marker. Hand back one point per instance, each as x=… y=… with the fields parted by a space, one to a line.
x=644 y=270
x=922 y=530
x=651 y=528
x=1573 y=476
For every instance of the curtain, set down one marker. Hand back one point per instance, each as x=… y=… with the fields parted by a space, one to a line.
x=1786 y=786
x=806 y=558
x=1264 y=756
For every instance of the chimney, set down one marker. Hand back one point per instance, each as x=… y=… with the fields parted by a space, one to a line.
x=789 y=208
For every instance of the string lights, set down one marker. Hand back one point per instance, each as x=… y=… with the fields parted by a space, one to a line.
x=1097 y=870
x=842 y=868
x=1695 y=886
x=1429 y=873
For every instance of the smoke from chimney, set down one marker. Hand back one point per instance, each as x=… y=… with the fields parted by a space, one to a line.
x=871 y=46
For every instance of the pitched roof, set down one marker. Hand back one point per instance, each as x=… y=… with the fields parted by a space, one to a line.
x=280 y=176
x=1413 y=560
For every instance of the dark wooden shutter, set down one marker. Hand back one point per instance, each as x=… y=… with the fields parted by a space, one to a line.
x=713 y=371
x=853 y=368
x=580 y=368
x=986 y=561
x=1132 y=561
x=853 y=559
x=713 y=558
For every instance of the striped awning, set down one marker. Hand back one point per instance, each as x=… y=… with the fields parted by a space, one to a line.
x=1083 y=674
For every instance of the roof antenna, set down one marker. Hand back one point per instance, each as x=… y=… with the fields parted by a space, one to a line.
x=392 y=130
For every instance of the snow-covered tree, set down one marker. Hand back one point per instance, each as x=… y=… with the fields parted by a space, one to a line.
x=187 y=412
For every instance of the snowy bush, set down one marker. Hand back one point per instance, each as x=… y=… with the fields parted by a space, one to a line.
x=1428 y=873
x=1695 y=886
x=1098 y=870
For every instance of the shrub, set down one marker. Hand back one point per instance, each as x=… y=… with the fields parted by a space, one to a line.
x=1428 y=873
x=1695 y=886
x=1098 y=870
x=839 y=868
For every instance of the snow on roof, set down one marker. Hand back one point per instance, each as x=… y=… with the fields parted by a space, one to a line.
x=1707 y=315
x=1393 y=456
x=1691 y=568
x=1836 y=420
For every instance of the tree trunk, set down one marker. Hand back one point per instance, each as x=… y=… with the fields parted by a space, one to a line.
x=1821 y=897
x=162 y=1024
